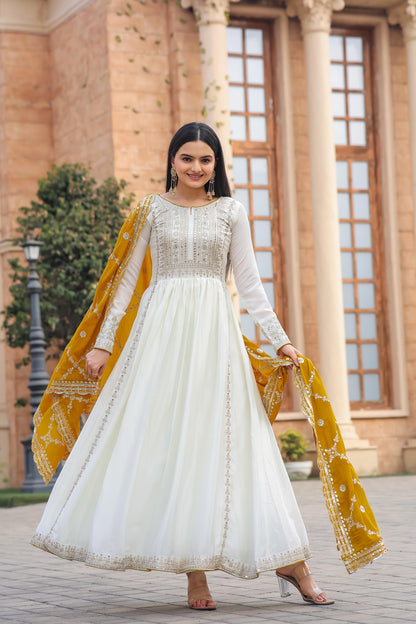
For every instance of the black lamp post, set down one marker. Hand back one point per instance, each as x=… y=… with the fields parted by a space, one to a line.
x=38 y=378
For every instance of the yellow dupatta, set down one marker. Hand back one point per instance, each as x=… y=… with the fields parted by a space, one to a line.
x=71 y=393
x=356 y=532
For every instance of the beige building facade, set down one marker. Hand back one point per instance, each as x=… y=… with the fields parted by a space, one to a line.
x=315 y=103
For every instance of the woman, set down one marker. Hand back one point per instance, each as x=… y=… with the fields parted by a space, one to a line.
x=177 y=467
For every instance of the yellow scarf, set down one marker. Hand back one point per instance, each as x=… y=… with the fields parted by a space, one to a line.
x=356 y=531
x=71 y=394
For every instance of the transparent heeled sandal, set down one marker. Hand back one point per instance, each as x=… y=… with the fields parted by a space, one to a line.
x=284 y=587
x=299 y=572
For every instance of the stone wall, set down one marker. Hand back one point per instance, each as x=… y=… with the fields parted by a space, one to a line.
x=81 y=92
x=155 y=86
x=25 y=155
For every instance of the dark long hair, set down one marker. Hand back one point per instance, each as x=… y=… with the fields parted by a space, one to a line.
x=196 y=131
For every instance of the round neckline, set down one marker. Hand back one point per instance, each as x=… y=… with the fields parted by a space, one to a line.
x=188 y=207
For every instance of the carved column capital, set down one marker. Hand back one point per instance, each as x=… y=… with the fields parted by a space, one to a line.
x=208 y=12
x=405 y=15
x=315 y=15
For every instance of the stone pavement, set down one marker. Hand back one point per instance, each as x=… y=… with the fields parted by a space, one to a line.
x=39 y=588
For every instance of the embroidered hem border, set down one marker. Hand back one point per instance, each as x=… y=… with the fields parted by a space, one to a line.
x=165 y=564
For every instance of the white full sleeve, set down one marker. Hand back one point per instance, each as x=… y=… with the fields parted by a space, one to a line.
x=106 y=336
x=248 y=282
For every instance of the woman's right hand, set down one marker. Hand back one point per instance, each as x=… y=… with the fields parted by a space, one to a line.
x=96 y=361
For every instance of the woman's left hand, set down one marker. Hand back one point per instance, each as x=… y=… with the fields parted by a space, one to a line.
x=290 y=351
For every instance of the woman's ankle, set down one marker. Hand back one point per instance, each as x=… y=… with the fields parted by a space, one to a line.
x=289 y=569
x=196 y=575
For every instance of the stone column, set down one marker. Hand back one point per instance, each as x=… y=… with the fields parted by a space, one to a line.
x=315 y=17
x=212 y=20
x=405 y=15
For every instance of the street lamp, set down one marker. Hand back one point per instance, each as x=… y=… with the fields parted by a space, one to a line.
x=38 y=378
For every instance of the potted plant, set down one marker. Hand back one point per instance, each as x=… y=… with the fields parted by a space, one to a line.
x=293 y=446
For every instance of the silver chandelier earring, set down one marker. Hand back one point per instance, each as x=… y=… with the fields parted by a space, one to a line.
x=211 y=186
x=173 y=180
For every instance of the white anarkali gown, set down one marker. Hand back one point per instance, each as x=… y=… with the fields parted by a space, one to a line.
x=177 y=467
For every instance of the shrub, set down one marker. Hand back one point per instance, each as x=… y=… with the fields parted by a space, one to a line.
x=78 y=223
x=293 y=445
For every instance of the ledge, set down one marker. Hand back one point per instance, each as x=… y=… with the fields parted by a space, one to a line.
x=355 y=414
x=380 y=413
x=37 y=17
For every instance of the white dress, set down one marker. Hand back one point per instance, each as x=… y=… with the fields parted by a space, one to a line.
x=177 y=467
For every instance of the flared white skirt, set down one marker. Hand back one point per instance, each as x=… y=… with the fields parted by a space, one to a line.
x=177 y=467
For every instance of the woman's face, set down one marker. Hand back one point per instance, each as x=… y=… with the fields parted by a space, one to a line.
x=194 y=163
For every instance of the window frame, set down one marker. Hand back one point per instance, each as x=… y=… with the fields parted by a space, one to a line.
x=369 y=153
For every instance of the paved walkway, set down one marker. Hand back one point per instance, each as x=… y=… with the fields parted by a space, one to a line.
x=39 y=588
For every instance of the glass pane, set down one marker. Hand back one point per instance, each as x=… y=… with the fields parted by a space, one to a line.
x=262 y=233
x=358 y=133
x=346 y=265
x=361 y=204
x=352 y=356
x=360 y=175
x=259 y=172
x=345 y=234
x=240 y=170
x=235 y=69
x=350 y=326
x=254 y=41
x=349 y=296
x=336 y=48
x=368 y=327
x=369 y=356
x=234 y=40
x=337 y=76
x=356 y=105
x=355 y=77
x=237 y=99
x=256 y=100
x=343 y=206
x=242 y=195
x=354 y=387
x=340 y=132
x=354 y=49
x=342 y=174
x=265 y=263
x=255 y=71
x=372 y=387
x=362 y=235
x=238 y=128
x=257 y=127
x=247 y=325
x=269 y=288
x=339 y=108
x=366 y=296
x=364 y=264
x=261 y=203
